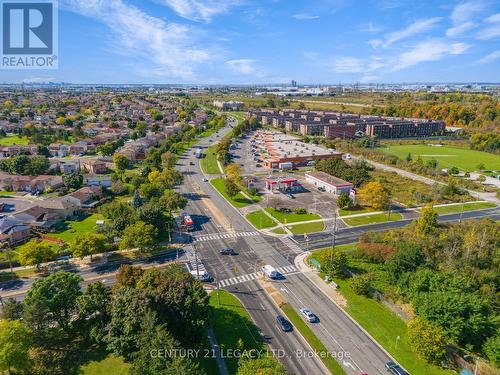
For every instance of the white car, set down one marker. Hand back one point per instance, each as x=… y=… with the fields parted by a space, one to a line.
x=308 y=315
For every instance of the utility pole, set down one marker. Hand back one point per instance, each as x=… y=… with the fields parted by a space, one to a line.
x=218 y=287
x=334 y=236
x=196 y=261
x=461 y=213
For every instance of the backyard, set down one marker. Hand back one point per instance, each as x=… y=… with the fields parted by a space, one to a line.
x=76 y=228
x=11 y=140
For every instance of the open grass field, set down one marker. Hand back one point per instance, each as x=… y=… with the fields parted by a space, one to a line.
x=355 y=210
x=383 y=325
x=260 y=220
x=238 y=201
x=209 y=161
x=77 y=228
x=317 y=226
x=306 y=331
x=471 y=206
x=232 y=323
x=448 y=156
x=11 y=140
x=372 y=219
x=287 y=218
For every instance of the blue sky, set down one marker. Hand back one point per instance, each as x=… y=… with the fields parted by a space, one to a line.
x=260 y=41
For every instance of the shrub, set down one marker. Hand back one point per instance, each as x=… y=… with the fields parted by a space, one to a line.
x=362 y=285
x=376 y=252
x=300 y=211
x=426 y=339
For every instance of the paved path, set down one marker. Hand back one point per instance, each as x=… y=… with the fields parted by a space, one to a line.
x=216 y=350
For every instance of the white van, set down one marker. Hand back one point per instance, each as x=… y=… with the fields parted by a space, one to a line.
x=270 y=272
x=200 y=273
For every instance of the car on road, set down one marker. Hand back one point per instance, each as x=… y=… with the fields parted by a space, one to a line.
x=191 y=163
x=308 y=315
x=284 y=324
x=395 y=369
x=290 y=195
x=205 y=180
x=228 y=251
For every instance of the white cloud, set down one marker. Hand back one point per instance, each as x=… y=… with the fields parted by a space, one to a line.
x=200 y=10
x=414 y=28
x=459 y=29
x=489 y=58
x=168 y=46
x=304 y=16
x=242 y=66
x=370 y=28
x=464 y=11
x=430 y=50
x=493 y=18
x=348 y=65
x=462 y=15
x=489 y=32
x=493 y=31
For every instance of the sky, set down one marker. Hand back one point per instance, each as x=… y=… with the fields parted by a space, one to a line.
x=273 y=41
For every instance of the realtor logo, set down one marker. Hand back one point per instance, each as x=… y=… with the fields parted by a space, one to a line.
x=29 y=34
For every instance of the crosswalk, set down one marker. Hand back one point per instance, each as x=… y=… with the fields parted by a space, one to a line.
x=292 y=245
x=252 y=276
x=220 y=236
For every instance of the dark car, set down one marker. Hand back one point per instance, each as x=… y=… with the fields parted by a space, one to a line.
x=228 y=251
x=284 y=324
x=395 y=369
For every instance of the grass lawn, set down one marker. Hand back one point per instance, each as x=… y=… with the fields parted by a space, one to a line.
x=260 y=220
x=209 y=161
x=232 y=323
x=238 y=201
x=287 y=218
x=11 y=140
x=6 y=194
x=312 y=339
x=279 y=231
x=383 y=325
x=447 y=156
x=77 y=227
x=110 y=365
x=307 y=228
x=372 y=219
x=355 y=210
x=471 y=206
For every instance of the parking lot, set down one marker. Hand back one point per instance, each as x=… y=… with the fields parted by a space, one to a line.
x=242 y=155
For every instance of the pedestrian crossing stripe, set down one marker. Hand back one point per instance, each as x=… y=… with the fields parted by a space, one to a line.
x=292 y=245
x=219 y=236
x=252 y=276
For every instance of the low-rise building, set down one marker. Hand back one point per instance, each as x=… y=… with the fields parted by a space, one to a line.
x=328 y=183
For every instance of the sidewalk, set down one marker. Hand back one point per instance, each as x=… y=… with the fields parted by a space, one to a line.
x=216 y=350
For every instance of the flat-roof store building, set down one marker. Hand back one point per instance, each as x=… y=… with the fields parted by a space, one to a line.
x=328 y=183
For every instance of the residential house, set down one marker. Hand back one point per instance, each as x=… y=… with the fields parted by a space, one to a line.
x=13 y=231
x=94 y=166
x=97 y=180
x=88 y=196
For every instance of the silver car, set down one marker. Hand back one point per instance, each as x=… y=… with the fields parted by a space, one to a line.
x=309 y=315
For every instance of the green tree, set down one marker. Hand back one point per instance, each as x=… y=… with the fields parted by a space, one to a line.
x=73 y=181
x=334 y=263
x=119 y=215
x=230 y=188
x=152 y=337
x=407 y=258
x=362 y=284
x=139 y=235
x=136 y=201
x=172 y=201
x=491 y=349
x=376 y=195
x=152 y=214
x=427 y=340
x=35 y=252
x=121 y=162
x=427 y=221
x=88 y=244
x=93 y=310
x=12 y=310
x=344 y=201
x=15 y=341
x=168 y=160
x=55 y=296
x=265 y=365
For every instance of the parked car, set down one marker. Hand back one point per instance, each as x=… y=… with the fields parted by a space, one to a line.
x=228 y=251
x=309 y=315
x=284 y=324
x=395 y=369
